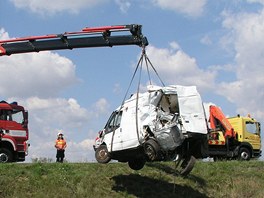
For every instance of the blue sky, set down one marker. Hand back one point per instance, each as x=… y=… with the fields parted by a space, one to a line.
x=216 y=45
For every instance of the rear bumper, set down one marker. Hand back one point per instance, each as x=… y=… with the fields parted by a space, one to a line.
x=257 y=153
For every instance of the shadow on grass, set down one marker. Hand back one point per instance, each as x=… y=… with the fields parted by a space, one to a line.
x=163 y=167
x=145 y=187
x=172 y=171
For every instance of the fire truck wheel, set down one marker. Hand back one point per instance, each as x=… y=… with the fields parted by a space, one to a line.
x=102 y=155
x=151 y=148
x=137 y=164
x=5 y=155
x=187 y=165
x=244 y=154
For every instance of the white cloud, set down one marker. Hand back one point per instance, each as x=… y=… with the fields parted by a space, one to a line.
x=194 y=8
x=101 y=106
x=246 y=37
x=52 y=7
x=42 y=74
x=3 y=34
x=206 y=40
x=177 y=67
x=57 y=112
x=117 y=88
x=256 y=1
x=124 y=5
x=47 y=116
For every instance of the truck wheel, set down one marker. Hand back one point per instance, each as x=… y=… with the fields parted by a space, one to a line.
x=151 y=148
x=187 y=165
x=137 y=164
x=5 y=155
x=244 y=154
x=102 y=155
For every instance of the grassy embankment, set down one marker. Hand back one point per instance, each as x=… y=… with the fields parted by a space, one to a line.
x=208 y=179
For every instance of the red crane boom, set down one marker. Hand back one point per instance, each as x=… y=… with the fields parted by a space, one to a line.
x=106 y=36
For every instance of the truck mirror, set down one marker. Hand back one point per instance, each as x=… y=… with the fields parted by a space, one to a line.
x=25 y=118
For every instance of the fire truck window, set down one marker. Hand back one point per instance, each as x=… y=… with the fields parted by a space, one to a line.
x=5 y=115
x=251 y=127
x=18 y=117
x=2 y=115
x=9 y=115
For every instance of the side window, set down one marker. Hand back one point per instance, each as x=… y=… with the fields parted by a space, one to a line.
x=18 y=117
x=113 y=122
x=6 y=115
x=251 y=127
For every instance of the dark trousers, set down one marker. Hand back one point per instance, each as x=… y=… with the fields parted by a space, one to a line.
x=60 y=155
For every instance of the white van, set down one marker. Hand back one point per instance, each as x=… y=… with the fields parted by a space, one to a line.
x=164 y=123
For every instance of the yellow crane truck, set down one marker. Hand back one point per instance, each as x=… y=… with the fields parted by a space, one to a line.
x=233 y=138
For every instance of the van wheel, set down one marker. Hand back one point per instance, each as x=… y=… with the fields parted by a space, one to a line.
x=102 y=155
x=244 y=154
x=187 y=165
x=151 y=148
x=137 y=164
x=5 y=155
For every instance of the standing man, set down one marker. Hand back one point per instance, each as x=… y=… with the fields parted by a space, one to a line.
x=60 y=145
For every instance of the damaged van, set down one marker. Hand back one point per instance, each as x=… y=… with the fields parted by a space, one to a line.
x=162 y=124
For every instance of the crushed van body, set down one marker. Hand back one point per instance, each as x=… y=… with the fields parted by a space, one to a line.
x=163 y=123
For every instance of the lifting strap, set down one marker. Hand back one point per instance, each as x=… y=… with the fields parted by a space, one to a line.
x=139 y=67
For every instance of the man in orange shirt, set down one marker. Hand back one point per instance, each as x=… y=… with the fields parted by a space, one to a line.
x=60 y=145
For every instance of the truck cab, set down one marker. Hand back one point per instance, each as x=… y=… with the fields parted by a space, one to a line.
x=13 y=132
x=233 y=138
x=248 y=134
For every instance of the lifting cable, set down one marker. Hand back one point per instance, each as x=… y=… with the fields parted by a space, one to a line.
x=148 y=61
x=140 y=63
x=142 y=58
x=123 y=101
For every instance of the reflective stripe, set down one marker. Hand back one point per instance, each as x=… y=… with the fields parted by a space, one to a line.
x=216 y=142
x=60 y=144
x=17 y=133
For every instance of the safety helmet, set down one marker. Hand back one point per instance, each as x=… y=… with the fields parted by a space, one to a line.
x=60 y=133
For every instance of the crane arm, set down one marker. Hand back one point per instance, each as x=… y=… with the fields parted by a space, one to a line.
x=106 y=36
x=217 y=117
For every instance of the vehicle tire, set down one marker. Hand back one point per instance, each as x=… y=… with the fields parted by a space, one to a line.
x=187 y=165
x=137 y=164
x=102 y=155
x=151 y=149
x=244 y=154
x=5 y=155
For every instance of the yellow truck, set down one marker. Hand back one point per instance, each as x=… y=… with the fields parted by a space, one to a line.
x=233 y=138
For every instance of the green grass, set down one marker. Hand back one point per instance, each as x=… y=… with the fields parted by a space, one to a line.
x=78 y=180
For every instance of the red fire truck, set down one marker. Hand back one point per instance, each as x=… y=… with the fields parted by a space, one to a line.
x=13 y=132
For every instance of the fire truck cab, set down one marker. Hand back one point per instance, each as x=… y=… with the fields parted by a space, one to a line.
x=13 y=132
